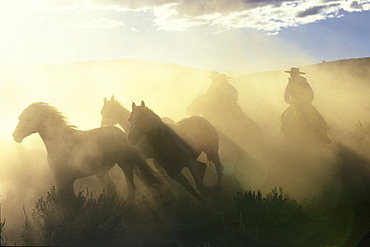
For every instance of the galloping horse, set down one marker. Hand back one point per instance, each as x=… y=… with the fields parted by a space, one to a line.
x=196 y=131
x=170 y=150
x=75 y=153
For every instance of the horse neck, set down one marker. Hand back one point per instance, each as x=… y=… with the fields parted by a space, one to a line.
x=156 y=132
x=123 y=118
x=54 y=133
x=156 y=137
x=163 y=135
x=164 y=138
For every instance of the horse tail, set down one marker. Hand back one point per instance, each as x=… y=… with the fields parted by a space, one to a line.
x=144 y=172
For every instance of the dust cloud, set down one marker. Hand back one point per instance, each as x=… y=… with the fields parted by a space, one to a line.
x=77 y=90
x=340 y=90
x=341 y=95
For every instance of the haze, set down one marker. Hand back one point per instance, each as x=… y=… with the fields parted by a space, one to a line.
x=78 y=89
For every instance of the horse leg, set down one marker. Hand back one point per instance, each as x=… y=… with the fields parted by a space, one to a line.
x=64 y=183
x=180 y=178
x=202 y=169
x=129 y=175
x=107 y=181
x=158 y=167
x=196 y=173
x=219 y=169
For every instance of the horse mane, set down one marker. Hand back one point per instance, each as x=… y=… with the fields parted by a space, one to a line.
x=157 y=121
x=51 y=111
x=176 y=139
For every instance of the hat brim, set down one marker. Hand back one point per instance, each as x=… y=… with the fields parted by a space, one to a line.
x=301 y=73
x=227 y=77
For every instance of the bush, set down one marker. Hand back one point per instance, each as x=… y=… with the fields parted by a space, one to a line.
x=88 y=219
x=274 y=220
x=2 y=240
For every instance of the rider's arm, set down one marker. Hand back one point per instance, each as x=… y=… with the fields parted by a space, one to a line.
x=287 y=95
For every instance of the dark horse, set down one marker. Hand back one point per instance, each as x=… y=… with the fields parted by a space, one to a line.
x=170 y=150
x=304 y=124
x=74 y=153
x=195 y=131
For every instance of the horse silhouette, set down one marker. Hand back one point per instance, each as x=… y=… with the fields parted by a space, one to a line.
x=170 y=151
x=198 y=134
x=73 y=153
x=304 y=124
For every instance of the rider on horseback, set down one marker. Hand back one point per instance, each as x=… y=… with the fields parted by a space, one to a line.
x=301 y=120
x=219 y=104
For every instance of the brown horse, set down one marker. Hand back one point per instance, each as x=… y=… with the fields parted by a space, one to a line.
x=74 y=153
x=195 y=131
x=170 y=150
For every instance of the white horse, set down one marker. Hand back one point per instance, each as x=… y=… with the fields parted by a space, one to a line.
x=75 y=154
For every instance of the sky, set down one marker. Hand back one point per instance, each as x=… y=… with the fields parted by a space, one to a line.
x=240 y=36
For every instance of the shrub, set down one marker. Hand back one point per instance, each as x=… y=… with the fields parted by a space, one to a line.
x=274 y=220
x=2 y=240
x=88 y=219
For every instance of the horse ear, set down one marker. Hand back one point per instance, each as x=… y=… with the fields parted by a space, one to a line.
x=112 y=98
x=142 y=104
x=133 y=105
x=105 y=100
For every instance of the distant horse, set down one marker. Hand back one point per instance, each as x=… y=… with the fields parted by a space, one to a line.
x=170 y=150
x=74 y=153
x=196 y=131
x=113 y=112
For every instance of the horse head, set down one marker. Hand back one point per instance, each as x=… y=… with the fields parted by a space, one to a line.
x=142 y=120
x=35 y=118
x=113 y=112
x=109 y=112
x=30 y=121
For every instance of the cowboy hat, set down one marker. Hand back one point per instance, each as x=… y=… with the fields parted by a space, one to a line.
x=217 y=75
x=295 y=71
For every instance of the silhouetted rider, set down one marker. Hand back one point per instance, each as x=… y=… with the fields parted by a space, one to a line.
x=219 y=102
x=298 y=91
x=301 y=121
x=219 y=105
x=222 y=87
